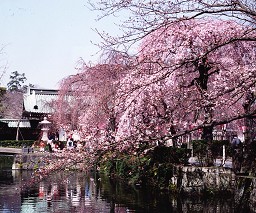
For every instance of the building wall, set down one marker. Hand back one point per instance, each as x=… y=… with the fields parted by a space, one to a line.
x=24 y=134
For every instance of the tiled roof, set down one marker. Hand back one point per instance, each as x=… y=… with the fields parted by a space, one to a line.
x=37 y=100
x=24 y=123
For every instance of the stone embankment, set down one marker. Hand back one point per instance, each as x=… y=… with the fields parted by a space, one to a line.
x=45 y=164
x=195 y=180
x=31 y=161
x=192 y=181
x=49 y=161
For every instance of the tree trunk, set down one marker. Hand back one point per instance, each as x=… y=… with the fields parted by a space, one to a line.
x=242 y=194
x=111 y=128
x=203 y=68
x=249 y=157
x=208 y=137
x=18 y=129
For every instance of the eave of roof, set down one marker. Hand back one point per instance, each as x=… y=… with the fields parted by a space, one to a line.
x=13 y=123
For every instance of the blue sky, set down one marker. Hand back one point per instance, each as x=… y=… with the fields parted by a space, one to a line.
x=45 y=38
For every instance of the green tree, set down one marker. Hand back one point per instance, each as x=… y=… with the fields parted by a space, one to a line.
x=2 y=94
x=16 y=81
x=16 y=87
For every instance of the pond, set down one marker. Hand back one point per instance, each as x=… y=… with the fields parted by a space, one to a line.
x=70 y=191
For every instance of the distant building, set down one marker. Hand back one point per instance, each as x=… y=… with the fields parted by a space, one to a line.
x=25 y=112
x=37 y=103
x=8 y=129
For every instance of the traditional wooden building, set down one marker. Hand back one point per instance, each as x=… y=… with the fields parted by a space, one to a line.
x=9 y=128
x=34 y=106
x=37 y=104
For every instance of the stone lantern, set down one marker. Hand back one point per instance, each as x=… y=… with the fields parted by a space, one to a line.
x=45 y=126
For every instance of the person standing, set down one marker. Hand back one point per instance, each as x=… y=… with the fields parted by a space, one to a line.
x=42 y=146
x=70 y=143
x=237 y=154
x=49 y=144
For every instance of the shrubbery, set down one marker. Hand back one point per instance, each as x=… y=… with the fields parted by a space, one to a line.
x=216 y=147
x=155 y=167
x=14 y=143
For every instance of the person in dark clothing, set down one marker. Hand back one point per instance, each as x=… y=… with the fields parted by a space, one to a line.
x=237 y=157
x=236 y=143
x=49 y=144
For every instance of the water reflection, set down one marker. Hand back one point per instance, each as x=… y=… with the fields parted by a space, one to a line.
x=79 y=192
x=9 y=191
x=66 y=192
